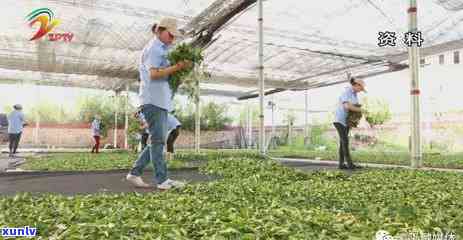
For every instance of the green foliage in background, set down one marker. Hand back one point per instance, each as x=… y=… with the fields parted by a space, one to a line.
x=134 y=132
x=49 y=112
x=105 y=106
x=290 y=118
x=213 y=116
x=243 y=117
x=378 y=111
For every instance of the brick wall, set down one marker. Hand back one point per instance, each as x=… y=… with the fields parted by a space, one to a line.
x=226 y=138
x=79 y=135
x=66 y=136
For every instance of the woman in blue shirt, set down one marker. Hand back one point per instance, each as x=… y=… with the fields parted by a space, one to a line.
x=156 y=100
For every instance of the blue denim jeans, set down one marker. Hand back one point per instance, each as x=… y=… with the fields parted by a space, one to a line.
x=157 y=124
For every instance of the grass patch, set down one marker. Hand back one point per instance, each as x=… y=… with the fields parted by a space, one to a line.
x=120 y=160
x=454 y=161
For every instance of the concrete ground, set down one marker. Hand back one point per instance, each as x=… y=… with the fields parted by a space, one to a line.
x=113 y=181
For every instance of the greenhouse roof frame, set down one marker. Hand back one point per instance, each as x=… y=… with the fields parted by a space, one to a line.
x=111 y=34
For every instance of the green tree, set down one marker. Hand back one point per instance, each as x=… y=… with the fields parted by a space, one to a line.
x=105 y=107
x=49 y=112
x=134 y=132
x=213 y=116
x=243 y=117
x=186 y=116
x=290 y=118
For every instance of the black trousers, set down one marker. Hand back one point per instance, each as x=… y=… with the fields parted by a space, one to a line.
x=144 y=140
x=171 y=139
x=14 y=142
x=344 y=152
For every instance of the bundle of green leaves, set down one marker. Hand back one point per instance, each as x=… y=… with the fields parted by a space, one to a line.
x=378 y=111
x=181 y=53
x=353 y=118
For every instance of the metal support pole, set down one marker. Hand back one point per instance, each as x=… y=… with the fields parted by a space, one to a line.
x=249 y=126
x=290 y=128
x=261 y=78
x=37 y=117
x=306 y=117
x=115 y=121
x=271 y=105
x=273 y=120
x=251 y=119
x=197 y=119
x=413 y=55
x=126 y=127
